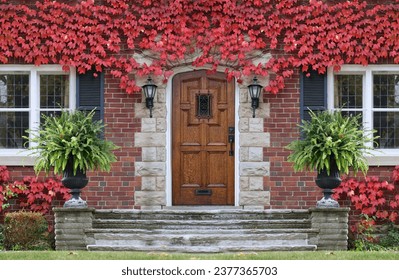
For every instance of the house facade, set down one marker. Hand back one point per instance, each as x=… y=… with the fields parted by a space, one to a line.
x=202 y=146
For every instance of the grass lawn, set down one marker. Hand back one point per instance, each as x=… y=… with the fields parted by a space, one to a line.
x=84 y=255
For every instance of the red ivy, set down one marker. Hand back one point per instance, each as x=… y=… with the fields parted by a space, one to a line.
x=32 y=194
x=372 y=197
x=230 y=33
x=37 y=196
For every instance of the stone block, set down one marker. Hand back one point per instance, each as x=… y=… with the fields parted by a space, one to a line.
x=254 y=169
x=256 y=139
x=161 y=154
x=161 y=95
x=160 y=183
x=244 y=95
x=149 y=154
x=159 y=110
x=256 y=125
x=255 y=154
x=148 y=183
x=244 y=183
x=245 y=110
x=244 y=154
x=70 y=226
x=255 y=183
x=148 y=125
x=243 y=125
x=258 y=198
x=142 y=139
x=150 y=168
x=154 y=198
x=161 y=125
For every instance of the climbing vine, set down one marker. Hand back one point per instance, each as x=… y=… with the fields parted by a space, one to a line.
x=138 y=38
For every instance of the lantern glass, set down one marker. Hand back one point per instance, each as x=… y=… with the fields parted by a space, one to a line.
x=149 y=89
x=254 y=88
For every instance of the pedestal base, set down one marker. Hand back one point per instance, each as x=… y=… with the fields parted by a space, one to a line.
x=327 y=203
x=75 y=203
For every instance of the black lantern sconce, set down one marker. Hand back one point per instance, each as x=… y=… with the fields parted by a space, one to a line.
x=149 y=89
x=254 y=90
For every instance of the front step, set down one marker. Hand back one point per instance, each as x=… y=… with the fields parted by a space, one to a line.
x=202 y=249
x=201 y=214
x=200 y=230
x=202 y=224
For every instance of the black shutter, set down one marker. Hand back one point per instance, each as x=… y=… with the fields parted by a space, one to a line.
x=313 y=93
x=90 y=93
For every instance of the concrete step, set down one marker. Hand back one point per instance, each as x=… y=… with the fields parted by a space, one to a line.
x=212 y=239
x=201 y=224
x=201 y=214
x=202 y=249
x=200 y=231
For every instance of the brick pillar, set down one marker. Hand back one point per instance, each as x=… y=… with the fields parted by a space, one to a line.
x=70 y=226
x=332 y=224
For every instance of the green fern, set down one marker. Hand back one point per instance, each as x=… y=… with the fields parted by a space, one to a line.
x=71 y=135
x=330 y=135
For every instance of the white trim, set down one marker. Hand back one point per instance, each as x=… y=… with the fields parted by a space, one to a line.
x=169 y=109
x=237 y=147
x=20 y=157
x=168 y=179
x=379 y=157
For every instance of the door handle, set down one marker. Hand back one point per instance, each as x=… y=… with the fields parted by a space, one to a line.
x=231 y=141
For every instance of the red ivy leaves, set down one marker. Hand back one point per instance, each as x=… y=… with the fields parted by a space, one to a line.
x=31 y=193
x=38 y=195
x=228 y=33
x=371 y=196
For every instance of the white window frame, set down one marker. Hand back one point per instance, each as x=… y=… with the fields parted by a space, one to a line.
x=379 y=157
x=20 y=157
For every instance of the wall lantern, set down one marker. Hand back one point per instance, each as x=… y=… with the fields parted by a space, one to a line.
x=149 y=90
x=254 y=90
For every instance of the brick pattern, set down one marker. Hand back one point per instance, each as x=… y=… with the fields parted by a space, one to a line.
x=288 y=189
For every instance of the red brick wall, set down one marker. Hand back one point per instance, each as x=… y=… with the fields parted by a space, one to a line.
x=116 y=189
x=288 y=189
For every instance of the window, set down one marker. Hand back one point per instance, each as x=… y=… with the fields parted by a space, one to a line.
x=373 y=92
x=26 y=92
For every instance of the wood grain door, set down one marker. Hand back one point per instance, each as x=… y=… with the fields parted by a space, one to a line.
x=203 y=127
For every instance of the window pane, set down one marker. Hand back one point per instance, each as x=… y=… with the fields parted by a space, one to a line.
x=54 y=91
x=49 y=113
x=387 y=126
x=386 y=90
x=348 y=91
x=14 y=90
x=13 y=126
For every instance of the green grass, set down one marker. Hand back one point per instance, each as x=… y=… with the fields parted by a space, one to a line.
x=84 y=255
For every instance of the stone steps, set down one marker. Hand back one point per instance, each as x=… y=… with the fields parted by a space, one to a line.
x=227 y=230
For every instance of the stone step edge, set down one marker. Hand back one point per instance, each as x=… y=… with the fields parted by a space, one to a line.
x=189 y=231
x=202 y=222
x=201 y=249
x=201 y=211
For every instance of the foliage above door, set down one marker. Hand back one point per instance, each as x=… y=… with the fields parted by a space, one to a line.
x=232 y=33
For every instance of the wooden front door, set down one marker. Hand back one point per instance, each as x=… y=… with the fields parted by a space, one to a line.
x=203 y=139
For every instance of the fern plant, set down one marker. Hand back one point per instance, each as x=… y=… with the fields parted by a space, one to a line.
x=71 y=136
x=330 y=135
